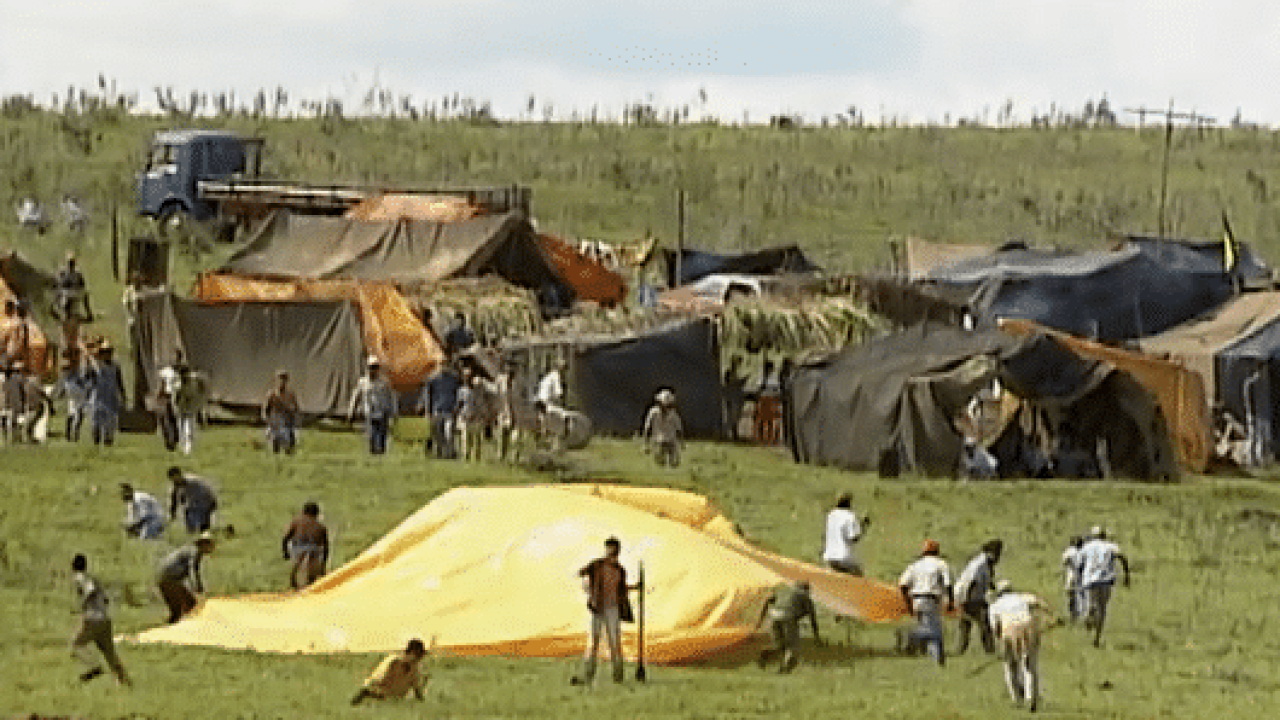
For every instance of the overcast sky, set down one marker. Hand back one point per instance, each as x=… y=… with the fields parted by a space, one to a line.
x=913 y=59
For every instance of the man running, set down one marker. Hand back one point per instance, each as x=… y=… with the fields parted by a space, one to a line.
x=1098 y=559
x=95 y=626
x=924 y=585
x=1071 y=578
x=975 y=582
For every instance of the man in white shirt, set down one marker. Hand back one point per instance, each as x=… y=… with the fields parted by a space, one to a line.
x=975 y=582
x=143 y=514
x=376 y=401
x=551 y=387
x=924 y=585
x=843 y=533
x=1014 y=622
x=1098 y=559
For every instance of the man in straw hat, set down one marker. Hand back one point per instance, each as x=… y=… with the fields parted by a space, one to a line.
x=179 y=577
x=1015 y=623
x=377 y=403
x=924 y=585
x=663 y=430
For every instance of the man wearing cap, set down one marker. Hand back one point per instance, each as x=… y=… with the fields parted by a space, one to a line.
x=377 y=403
x=306 y=542
x=978 y=579
x=179 y=577
x=196 y=498
x=844 y=531
x=788 y=605
x=924 y=585
x=663 y=430
x=106 y=395
x=280 y=413
x=605 y=581
x=143 y=515
x=1015 y=622
x=1098 y=559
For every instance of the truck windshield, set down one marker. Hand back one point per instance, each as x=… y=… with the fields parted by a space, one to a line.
x=162 y=155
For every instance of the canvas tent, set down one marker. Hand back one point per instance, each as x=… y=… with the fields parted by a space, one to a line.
x=1228 y=346
x=449 y=572
x=696 y=264
x=239 y=347
x=1140 y=289
x=409 y=351
x=615 y=380
x=900 y=395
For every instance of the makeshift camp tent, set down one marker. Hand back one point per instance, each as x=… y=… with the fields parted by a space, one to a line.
x=1179 y=392
x=695 y=264
x=391 y=331
x=1228 y=346
x=449 y=572
x=405 y=252
x=589 y=279
x=239 y=347
x=1138 y=290
x=614 y=381
x=898 y=397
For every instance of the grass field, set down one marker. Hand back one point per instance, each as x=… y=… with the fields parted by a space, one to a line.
x=1191 y=639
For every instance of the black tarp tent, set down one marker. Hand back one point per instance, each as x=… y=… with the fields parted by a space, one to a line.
x=239 y=347
x=899 y=395
x=407 y=252
x=1142 y=288
x=696 y=264
x=614 y=381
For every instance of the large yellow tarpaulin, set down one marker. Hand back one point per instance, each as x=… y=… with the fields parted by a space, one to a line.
x=493 y=571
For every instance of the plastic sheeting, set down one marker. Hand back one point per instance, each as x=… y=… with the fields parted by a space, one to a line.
x=479 y=587
x=240 y=346
x=408 y=351
x=590 y=280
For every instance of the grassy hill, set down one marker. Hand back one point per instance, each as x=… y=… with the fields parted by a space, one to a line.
x=1190 y=639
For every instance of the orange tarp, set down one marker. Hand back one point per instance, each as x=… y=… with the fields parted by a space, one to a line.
x=393 y=206
x=1179 y=392
x=36 y=356
x=452 y=574
x=391 y=331
x=589 y=279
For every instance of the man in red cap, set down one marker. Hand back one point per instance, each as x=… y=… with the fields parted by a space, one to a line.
x=924 y=585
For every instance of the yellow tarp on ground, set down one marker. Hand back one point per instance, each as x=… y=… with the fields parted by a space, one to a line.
x=391 y=331
x=493 y=571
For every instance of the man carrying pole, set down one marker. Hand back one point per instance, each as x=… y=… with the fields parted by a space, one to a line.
x=605 y=581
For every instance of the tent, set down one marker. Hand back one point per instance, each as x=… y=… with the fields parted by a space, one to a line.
x=408 y=350
x=1140 y=289
x=696 y=264
x=450 y=573
x=1228 y=346
x=898 y=397
x=615 y=380
x=239 y=347
x=590 y=280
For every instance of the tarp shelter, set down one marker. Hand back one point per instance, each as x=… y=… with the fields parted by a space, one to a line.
x=590 y=280
x=696 y=264
x=1226 y=347
x=923 y=257
x=239 y=347
x=409 y=351
x=406 y=252
x=1179 y=391
x=900 y=395
x=1140 y=289
x=615 y=380
x=449 y=572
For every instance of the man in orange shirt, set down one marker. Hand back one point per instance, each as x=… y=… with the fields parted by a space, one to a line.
x=606 y=584
x=396 y=675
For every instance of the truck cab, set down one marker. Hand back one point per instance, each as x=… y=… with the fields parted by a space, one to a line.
x=176 y=163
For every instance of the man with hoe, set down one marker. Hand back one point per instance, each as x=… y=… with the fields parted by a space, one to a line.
x=605 y=581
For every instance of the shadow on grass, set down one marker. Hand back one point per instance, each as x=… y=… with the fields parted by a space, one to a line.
x=810 y=653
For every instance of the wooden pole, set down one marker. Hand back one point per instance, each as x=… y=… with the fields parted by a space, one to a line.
x=1164 y=167
x=680 y=198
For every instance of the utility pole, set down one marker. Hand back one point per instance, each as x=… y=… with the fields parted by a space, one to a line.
x=1169 y=117
x=679 y=236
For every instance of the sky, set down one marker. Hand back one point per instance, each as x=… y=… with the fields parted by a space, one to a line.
x=910 y=60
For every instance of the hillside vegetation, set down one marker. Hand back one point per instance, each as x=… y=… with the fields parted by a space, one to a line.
x=840 y=192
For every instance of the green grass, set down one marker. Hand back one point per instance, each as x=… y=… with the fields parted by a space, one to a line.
x=1192 y=638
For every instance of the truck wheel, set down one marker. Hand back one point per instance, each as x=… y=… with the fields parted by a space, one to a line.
x=171 y=221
